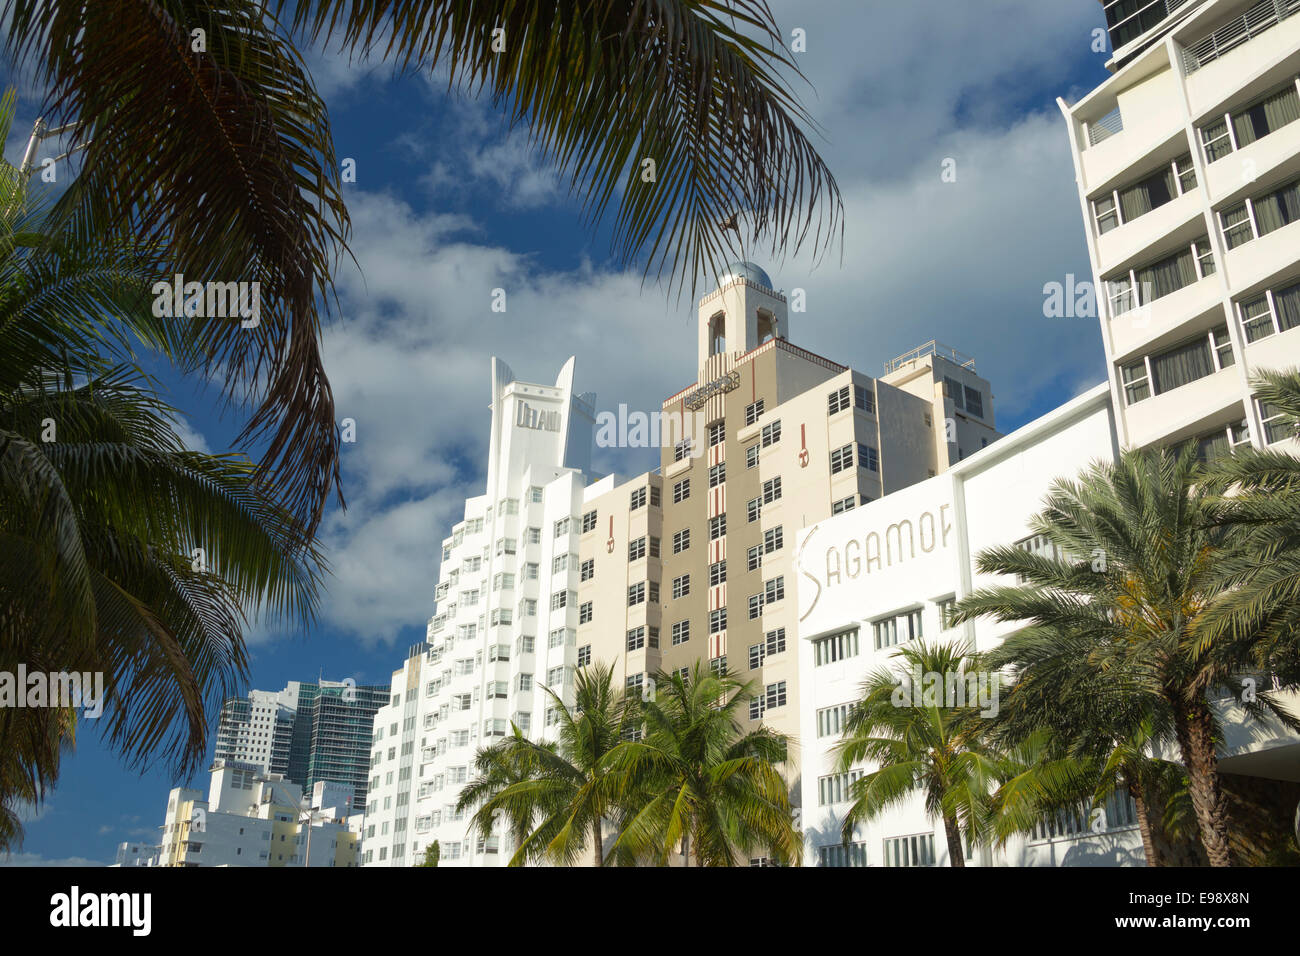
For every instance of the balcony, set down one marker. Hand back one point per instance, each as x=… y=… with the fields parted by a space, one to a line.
x=1227 y=180
x=1261 y=17
x=924 y=351
x=1132 y=332
x=1149 y=421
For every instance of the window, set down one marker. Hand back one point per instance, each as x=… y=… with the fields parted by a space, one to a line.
x=681 y=490
x=773 y=539
x=1151 y=192
x=835 y=647
x=717 y=573
x=584 y=613
x=838 y=401
x=717 y=620
x=589 y=522
x=718 y=665
x=945 y=606
x=636 y=549
x=773 y=643
x=868 y=457
x=528 y=607
x=753 y=412
x=843 y=505
x=755 y=606
x=638 y=499
x=560 y=636
x=636 y=594
x=717 y=431
x=891 y=631
x=841 y=459
x=771 y=433
x=753 y=509
x=501 y=616
x=530 y=571
x=682 y=449
x=681 y=632
x=831 y=720
x=1236 y=130
x=842 y=855
x=1277 y=424
x=559 y=563
x=1158 y=279
x=588 y=570
x=681 y=540
x=559 y=600
x=561 y=527
x=584 y=655
x=774 y=590
x=682 y=586
x=556 y=676
x=755 y=558
x=525 y=681
x=915 y=850
x=636 y=638
x=771 y=490
x=774 y=696
x=1222 y=441
x=974 y=402
x=505 y=546
x=525 y=644
x=1260 y=215
x=717 y=526
x=636 y=684
x=864 y=399
x=717 y=474
x=751 y=456
x=1105 y=214
x=1164 y=371
x=531 y=536
x=654 y=496
x=953 y=389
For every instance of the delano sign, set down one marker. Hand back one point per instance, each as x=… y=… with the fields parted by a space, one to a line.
x=723 y=383
x=830 y=564
x=528 y=417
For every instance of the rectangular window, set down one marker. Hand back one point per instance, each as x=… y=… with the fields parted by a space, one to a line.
x=560 y=599
x=953 y=389
x=974 y=402
x=896 y=630
x=773 y=539
x=718 y=665
x=717 y=620
x=636 y=549
x=682 y=586
x=774 y=590
x=561 y=527
x=717 y=431
x=915 y=850
x=755 y=558
x=638 y=499
x=1277 y=425
x=1260 y=215
x=842 y=855
x=751 y=456
x=771 y=433
x=584 y=613
x=1251 y=123
x=681 y=490
x=717 y=573
x=636 y=594
x=945 y=606
x=654 y=496
x=835 y=647
x=843 y=505
x=773 y=643
x=681 y=540
x=525 y=681
x=589 y=522
x=682 y=449
x=559 y=563
x=755 y=606
x=864 y=399
x=836 y=788
x=717 y=526
x=838 y=400
x=841 y=459
x=636 y=638
x=753 y=509
x=584 y=655
x=771 y=490
x=717 y=474
x=868 y=457
x=832 y=720
x=681 y=632
x=753 y=412
x=588 y=570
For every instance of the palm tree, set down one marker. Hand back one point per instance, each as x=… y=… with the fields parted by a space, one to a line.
x=555 y=795
x=121 y=553
x=919 y=742
x=698 y=781
x=207 y=137
x=1133 y=576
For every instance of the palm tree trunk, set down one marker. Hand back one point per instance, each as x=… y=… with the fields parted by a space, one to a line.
x=1144 y=821
x=599 y=839
x=686 y=849
x=953 y=832
x=1194 y=728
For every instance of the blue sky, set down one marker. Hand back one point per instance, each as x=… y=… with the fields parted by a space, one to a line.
x=448 y=205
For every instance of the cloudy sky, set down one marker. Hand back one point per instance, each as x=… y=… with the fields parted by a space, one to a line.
x=448 y=206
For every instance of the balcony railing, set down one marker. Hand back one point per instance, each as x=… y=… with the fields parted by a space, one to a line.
x=1259 y=18
x=1106 y=127
x=932 y=347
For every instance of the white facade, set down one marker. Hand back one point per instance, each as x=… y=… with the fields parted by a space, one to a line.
x=505 y=625
x=1187 y=162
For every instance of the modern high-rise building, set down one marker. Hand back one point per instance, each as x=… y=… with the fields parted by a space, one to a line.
x=505 y=625
x=310 y=732
x=1188 y=168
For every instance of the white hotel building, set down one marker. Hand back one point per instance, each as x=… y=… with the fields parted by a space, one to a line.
x=505 y=625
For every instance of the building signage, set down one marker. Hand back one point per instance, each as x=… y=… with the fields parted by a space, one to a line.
x=528 y=417
x=718 y=386
x=832 y=563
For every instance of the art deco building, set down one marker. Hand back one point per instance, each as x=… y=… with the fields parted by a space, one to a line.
x=1188 y=169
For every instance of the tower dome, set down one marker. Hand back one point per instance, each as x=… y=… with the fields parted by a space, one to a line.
x=742 y=269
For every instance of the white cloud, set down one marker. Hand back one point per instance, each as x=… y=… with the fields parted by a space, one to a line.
x=36 y=859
